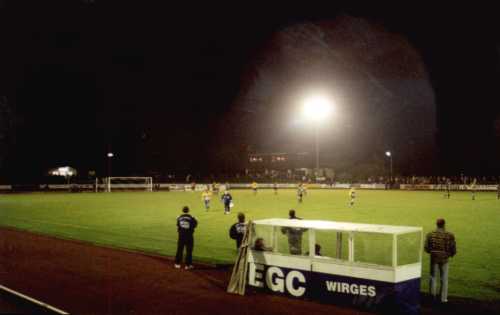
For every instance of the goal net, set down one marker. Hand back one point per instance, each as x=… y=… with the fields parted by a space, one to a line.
x=128 y=183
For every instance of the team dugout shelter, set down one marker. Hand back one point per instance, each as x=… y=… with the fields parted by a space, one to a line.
x=369 y=266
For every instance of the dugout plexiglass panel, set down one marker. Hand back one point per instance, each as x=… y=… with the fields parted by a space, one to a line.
x=408 y=251
x=333 y=244
x=373 y=248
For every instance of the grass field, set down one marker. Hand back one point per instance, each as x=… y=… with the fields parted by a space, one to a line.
x=146 y=222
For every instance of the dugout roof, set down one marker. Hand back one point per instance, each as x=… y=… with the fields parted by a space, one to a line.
x=340 y=226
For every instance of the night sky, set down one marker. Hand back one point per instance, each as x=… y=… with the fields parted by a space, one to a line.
x=193 y=89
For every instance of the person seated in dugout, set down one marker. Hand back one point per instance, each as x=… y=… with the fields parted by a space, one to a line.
x=317 y=250
x=260 y=245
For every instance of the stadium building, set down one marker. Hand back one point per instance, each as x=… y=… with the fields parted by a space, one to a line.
x=278 y=161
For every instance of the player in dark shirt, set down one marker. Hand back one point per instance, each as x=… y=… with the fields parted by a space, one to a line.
x=237 y=230
x=227 y=200
x=352 y=195
x=447 y=189
x=185 y=227
x=300 y=192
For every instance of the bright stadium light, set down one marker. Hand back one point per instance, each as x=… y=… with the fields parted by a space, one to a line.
x=317 y=108
x=388 y=153
x=110 y=154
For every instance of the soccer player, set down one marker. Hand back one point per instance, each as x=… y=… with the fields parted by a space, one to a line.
x=237 y=230
x=227 y=200
x=206 y=195
x=352 y=195
x=447 y=189
x=275 y=187
x=498 y=191
x=304 y=187
x=215 y=188
x=185 y=227
x=473 y=189
x=300 y=192
x=254 y=188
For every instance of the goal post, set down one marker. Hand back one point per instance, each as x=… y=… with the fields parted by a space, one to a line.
x=128 y=183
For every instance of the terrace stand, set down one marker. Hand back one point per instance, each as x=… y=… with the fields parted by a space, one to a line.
x=377 y=267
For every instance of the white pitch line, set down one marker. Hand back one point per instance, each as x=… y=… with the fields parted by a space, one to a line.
x=32 y=300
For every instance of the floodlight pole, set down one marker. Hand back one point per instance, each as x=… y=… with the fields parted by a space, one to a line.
x=316 y=138
x=391 y=167
x=110 y=156
x=389 y=155
x=109 y=166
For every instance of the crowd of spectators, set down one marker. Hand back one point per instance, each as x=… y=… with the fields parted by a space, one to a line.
x=304 y=176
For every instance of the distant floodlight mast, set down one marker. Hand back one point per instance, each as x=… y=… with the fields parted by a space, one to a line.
x=389 y=154
x=317 y=109
x=110 y=155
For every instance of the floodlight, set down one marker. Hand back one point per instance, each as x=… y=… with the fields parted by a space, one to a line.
x=317 y=108
x=110 y=154
x=388 y=153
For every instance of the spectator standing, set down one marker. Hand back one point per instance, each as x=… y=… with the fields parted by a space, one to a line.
x=440 y=244
x=294 y=235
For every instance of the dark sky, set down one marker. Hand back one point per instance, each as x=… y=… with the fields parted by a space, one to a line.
x=159 y=85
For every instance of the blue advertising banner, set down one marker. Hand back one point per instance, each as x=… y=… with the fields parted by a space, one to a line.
x=393 y=298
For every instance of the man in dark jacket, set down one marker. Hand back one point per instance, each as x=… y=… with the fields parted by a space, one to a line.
x=441 y=245
x=185 y=227
x=294 y=235
x=237 y=230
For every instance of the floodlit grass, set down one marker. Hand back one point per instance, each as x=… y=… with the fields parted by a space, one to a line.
x=146 y=222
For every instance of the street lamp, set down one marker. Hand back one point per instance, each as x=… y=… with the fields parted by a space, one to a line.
x=108 y=184
x=316 y=109
x=110 y=155
x=389 y=154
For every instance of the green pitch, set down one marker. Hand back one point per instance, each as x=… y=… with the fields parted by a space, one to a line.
x=146 y=222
